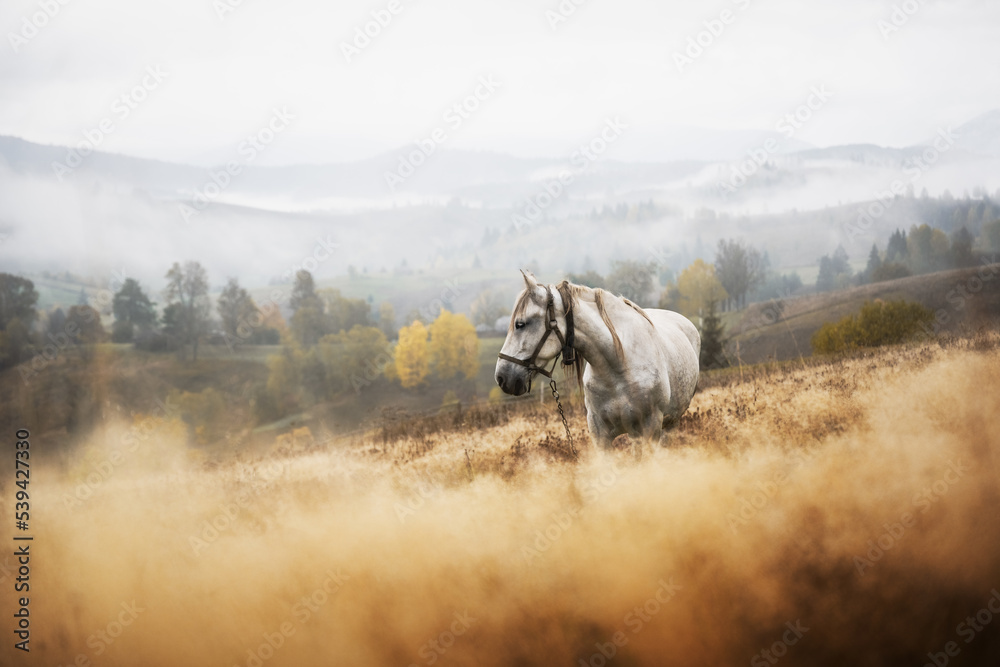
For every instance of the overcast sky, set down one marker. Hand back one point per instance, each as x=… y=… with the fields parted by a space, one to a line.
x=225 y=71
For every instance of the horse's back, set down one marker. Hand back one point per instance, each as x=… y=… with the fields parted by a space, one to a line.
x=669 y=324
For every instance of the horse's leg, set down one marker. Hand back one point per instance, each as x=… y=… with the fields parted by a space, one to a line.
x=648 y=435
x=668 y=424
x=600 y=434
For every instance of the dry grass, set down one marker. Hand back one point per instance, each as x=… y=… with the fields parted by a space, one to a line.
x=757 y=514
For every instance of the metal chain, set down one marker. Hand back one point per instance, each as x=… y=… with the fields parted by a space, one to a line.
x=562 y=415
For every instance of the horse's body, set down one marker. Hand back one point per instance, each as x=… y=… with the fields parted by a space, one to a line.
x=641 y=365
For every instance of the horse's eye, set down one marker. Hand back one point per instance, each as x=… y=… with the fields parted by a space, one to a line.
x=519 y=324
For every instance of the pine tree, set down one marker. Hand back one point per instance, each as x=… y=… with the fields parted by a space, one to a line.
x=896 y=251
x=712 y=339
x=840 y=262
x=825 y=279
x=874 y=264
x=132 y=308
x=961 y=248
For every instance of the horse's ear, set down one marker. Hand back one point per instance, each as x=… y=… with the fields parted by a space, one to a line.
x=529 y=280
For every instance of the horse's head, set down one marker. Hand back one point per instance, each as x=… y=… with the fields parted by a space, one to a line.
x=532 y=339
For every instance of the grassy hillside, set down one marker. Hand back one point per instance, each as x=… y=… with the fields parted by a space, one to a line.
x=963 y=299
x=853 y=500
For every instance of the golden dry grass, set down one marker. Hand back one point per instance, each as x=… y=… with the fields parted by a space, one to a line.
x=492 y=548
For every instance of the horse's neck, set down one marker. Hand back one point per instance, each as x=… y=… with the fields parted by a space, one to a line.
x=593 y=339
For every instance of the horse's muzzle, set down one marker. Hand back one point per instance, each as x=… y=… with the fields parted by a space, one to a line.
x=513 y=385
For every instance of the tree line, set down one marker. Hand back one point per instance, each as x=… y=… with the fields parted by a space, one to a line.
x=334 y=347
x=922 y=249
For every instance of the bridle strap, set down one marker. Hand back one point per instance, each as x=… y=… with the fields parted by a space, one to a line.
x=567 y=351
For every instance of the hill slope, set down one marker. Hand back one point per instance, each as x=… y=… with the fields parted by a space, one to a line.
x=961 y=299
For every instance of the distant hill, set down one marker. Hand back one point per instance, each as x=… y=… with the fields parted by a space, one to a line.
x=797 y=174
x=981 y=135
x=959 y=297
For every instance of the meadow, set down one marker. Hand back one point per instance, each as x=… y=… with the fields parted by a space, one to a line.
x=819 y=512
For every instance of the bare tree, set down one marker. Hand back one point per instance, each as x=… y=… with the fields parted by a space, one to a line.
x=187 y=292
x=739 y=268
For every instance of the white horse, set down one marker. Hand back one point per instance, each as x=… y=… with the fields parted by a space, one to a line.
x=641 y=366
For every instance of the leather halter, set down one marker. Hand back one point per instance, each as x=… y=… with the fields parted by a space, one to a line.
x=568 y=352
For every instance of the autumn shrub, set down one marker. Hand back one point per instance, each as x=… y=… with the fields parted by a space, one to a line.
x=878 y=323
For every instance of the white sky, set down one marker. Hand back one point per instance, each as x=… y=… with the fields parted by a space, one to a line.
x=609 y=58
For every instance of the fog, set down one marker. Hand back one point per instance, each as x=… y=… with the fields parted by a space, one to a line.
x=115 y=213
x=404 y=151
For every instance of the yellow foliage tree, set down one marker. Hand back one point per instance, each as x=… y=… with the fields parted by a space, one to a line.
x=697 y=287
x=411 y=355
x=454 y=347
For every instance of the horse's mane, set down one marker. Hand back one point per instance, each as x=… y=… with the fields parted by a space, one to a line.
x=599 y=297
x=571 y=293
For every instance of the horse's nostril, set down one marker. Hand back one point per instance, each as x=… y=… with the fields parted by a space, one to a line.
x=500 y=381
